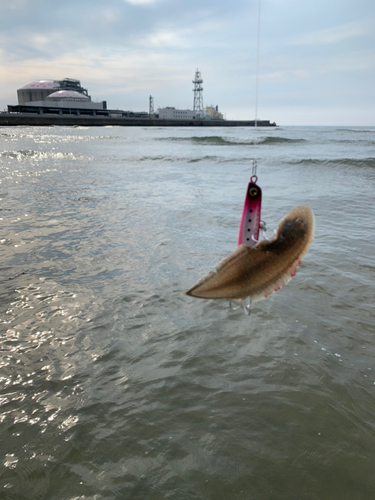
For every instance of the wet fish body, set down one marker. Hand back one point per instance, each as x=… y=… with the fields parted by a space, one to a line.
x=260 y=271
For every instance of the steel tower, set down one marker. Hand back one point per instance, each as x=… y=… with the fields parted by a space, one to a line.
x=198 y=95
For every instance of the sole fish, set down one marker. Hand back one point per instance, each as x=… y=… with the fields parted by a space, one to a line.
x=260 y=271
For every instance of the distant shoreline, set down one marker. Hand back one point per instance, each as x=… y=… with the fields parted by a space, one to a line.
x=19 y=119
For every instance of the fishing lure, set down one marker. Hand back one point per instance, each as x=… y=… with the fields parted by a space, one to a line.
x=250 y=221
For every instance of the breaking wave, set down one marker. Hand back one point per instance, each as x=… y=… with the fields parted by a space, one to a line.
x=226 y=141
x=280 y=140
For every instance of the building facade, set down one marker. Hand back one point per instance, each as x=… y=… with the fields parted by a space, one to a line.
x=68 y=99
x=213 y=112
x=67 y=93
x=171 y=113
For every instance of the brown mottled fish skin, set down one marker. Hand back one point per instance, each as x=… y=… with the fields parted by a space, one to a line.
x=264 y=269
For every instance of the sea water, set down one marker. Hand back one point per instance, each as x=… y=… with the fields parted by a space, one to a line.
x=115 y=385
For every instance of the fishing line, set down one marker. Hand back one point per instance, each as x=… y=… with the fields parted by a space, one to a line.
x=257 y=67
x=254 y=167
x=251 y=224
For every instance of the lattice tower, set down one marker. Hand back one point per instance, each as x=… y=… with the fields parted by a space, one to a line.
x=198 y=95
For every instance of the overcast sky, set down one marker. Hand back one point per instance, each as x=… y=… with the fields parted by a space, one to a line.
x=316 y=65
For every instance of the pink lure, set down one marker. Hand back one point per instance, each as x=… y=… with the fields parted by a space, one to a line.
x=250 y=220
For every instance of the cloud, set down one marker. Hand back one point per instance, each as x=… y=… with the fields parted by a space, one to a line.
x=140 y=2
x=126 y=50
x=165 y=39
x=336 y=34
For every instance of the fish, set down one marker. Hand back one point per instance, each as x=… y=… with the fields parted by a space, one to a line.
x=250 y=221
x=258 y=272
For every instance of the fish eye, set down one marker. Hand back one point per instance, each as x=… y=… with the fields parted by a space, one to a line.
x=253 y=191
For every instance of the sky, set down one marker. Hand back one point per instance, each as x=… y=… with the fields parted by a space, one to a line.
x=316 y=57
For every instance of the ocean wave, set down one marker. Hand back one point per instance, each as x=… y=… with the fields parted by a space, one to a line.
x=206 y=158
x=194 y=159
x=38 y=155
x=226 y=141
x=351 y=162
x=280 y=140
x=356 y=130
x=174 y=159
x=353 y=141
x=152 y=158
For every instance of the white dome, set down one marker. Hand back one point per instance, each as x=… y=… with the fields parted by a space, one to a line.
x=70 y=95
x=41 y=84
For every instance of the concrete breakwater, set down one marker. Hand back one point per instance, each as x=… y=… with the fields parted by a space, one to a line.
x=15 y=119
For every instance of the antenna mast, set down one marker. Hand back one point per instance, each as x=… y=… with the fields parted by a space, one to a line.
x=198 y=95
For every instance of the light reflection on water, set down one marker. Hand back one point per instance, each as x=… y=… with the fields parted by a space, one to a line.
x=116 y=385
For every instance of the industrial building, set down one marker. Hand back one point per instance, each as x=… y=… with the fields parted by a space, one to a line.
x=68 y=99
x=51 y=96
x=46 y=102
x=41 y=89
x=64 y=97
x=170 y=113
x=213 y=112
